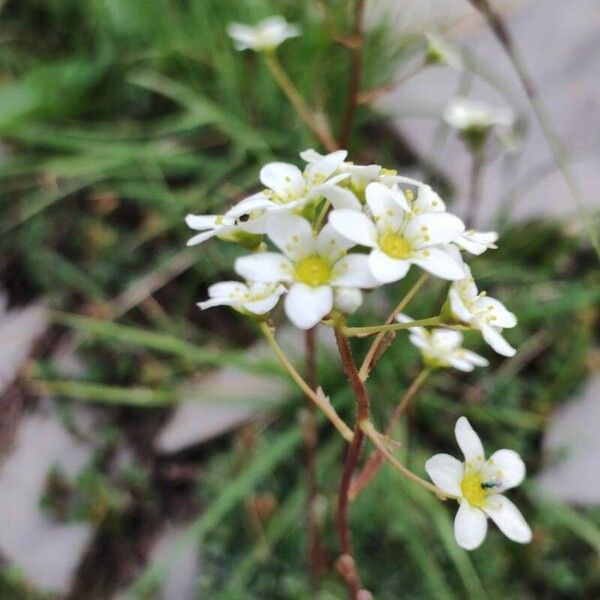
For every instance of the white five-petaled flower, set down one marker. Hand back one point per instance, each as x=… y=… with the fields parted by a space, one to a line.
x=314 y=267
x=467 y=115
x=254 y=297
x=264 y=36
x=291 y=188
x=442 y=347
x=399 y=238
x=478 y=485
x=481 y=312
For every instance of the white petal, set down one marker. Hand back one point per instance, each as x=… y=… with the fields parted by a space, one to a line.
x=492 y=307
x=455 y=360
x=310 y=155
x=247 y=205
x=428 y=201
x=477 y=242
x=326 y=166
x=354 y=226
x=221 y=301
x=446 y=472
x=306 y=306
x=387 y=269
x=475 y=358
x=226 y=288
x=433 y=228
x=508 y=467
x=447 y=340
x=262 y=306
x=470 y=526
x=353 y=271
x=206 y=235
x=292 y=234
x=331 y=245
x=387 y=211
x=340 y=197
x=509 y=519
x=201 y=222
x=439 y=263
x=243 y=35
x=468 y=440
x=282 y=178
x=495 y=339
x=457 y=306
x=267 y=267
x=348 y=300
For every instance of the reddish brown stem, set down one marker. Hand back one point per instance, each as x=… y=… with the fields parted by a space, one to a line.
x=377 y=457
x=356 y=47
x=362 y=414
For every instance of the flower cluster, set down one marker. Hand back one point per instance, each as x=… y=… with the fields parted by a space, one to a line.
x=338 y=229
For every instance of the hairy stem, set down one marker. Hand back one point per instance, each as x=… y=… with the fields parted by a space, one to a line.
x=355 y=72
x=373 y=329
x=378 y=345
x=319 y=399
x=379 y=443
x=377 y=457
x=311 y=440
x=298 y=102
x=352 y=456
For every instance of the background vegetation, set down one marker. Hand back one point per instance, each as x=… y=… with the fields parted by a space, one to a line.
x=119 y=117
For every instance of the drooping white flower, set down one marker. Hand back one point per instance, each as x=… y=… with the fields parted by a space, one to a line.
x=481 y=312
x=312 y=266
x=254 y=297
x=478 y=485
x=467 y=115
x=440 y=52
x=247 y=215
x=399 y=238
x=264 y=36
x=442 y=347
x=477 y=242
x=292 y=188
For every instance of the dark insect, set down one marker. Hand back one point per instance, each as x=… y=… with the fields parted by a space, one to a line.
x=243 y=218
x=488 y=485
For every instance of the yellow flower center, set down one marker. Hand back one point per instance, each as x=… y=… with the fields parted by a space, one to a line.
x=394 y=245
x=472 y=488
x=313 y=271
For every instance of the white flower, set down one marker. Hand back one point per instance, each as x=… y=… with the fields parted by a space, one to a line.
x=313 y=267
x=247 y=215
x=466 y=115
x=291 y=188
x=255 y=297
x=398 y=237
x=478 y=484
x=481 y=312
x=266 y=35
x=477 y=242
x=443 y=347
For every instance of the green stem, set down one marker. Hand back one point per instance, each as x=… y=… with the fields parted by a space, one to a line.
x=297 y=101
x=371 y=330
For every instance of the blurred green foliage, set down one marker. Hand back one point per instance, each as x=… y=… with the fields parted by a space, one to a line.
x=119 y=117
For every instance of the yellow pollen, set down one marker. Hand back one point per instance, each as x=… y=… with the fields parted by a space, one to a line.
x=409 y=195
x=472 y=490
x=313 y=271
x=394 y=245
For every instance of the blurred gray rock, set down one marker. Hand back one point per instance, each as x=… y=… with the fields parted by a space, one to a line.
x=216 y=402
x=571 y=447
x=19 y=329
x=47 y=552
x=560 y=44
